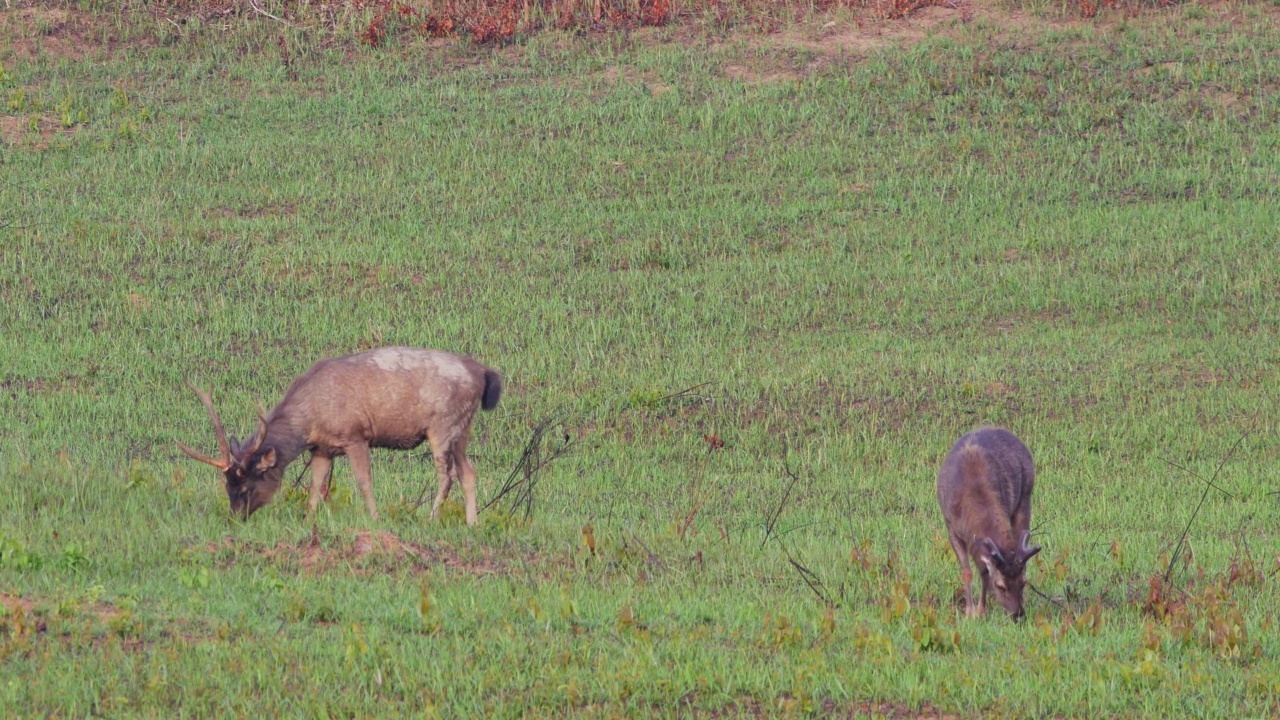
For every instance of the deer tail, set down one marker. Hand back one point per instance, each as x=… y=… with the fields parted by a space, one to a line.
x=492 y=389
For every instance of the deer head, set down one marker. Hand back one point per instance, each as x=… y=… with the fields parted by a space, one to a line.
x=1006 y=573
x=247 y=468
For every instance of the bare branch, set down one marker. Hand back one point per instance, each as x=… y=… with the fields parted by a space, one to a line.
x=687 y=392
x=7 y=223
x=1168 y=573
x=811 y=579
x=1197 y=476
x=523 y=479
x=258 y=9
x=652 y=559
x=1036 y=590
x=772 y=519
x=297 y=481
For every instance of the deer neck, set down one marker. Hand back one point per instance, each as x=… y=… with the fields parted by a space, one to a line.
x=286 y=440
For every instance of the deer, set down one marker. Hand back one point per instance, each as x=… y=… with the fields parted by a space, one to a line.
x=984 y=489
x=390 y=397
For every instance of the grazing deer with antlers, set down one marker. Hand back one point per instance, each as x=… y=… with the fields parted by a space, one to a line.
x=392 y=397
x=984 y=489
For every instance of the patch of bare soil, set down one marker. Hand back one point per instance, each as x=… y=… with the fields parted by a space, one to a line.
x=13 y=129
x=13 y=603
x=864 y=35
x=787 y=705
x=275 y=210
x=832 y=39
x=874 y=35
x=623 y=74
x=16 y=602
x=35 y=30
x=64 y=382
x=364 y=553
x=26 y=32
x=767 y=75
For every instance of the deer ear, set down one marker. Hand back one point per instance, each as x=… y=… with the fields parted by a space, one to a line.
x=992 y=550
x=266 y=460
x=991 y=567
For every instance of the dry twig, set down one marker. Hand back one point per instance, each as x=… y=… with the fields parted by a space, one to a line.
x=1209 y=485
x=772 y=519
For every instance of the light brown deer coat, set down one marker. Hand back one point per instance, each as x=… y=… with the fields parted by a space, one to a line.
x=392 y=397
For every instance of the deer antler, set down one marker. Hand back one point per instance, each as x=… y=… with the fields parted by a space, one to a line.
x=1027 y=548
x=247 y=452
x=226 y=461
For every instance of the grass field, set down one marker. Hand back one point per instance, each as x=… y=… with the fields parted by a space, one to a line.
x=854 y=246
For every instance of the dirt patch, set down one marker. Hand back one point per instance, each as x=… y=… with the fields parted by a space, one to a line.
x=833 y=39
x=786 y=704
x=1167 y=66
x=63 y=383
x=32 y=31
x=765 y=76
x=362 y=554
x=1060 y=316
x=274 y=210
x=29 y=32
x=868 y=35
x=626 y=75
x=15 y=129
x=13 y=603
x=100 y=610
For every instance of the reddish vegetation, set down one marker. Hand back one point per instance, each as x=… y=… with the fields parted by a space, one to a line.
x=1206 y=613
x=380 y=22
x=487 y=21
x=1130 y=8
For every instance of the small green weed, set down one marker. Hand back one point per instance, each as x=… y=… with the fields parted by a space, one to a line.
x=139 y=476
x=73 y=558
x=15 y=555
x=195 y=578
x=929 y=635
x=645 y=398
x=430 y=619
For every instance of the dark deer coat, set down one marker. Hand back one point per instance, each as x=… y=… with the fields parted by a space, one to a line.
x=984 y=490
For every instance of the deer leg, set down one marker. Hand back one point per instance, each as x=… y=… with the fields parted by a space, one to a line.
x=966 y=572
x=321 y=466
x=966 y=577
x=362 y=469
x=468 y=479
x=440 y=454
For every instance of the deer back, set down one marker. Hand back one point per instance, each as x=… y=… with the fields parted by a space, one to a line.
x=985 y=479
x=389 y=397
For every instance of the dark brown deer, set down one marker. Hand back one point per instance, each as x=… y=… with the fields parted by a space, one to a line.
x=984 y=489
x=393 y=397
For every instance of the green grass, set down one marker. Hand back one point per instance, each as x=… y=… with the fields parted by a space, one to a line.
x=1068 y=230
